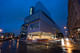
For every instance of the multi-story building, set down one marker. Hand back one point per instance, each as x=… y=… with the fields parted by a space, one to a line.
x=39 y=25
x=74 y=18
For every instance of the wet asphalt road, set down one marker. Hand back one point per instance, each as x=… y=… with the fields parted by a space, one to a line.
x=15 y=46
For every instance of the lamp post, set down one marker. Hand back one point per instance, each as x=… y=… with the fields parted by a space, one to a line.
x=65 y=30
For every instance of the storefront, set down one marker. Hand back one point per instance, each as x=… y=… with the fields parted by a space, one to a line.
x=78 y=33
x=40 y=35
x=75 y=33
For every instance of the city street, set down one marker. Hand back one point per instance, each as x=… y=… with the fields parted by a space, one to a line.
x=40 y=26
x=15 y=46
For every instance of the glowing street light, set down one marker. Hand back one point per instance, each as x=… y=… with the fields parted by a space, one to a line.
x=2 y=36
x=1 y=30
x=65 y=27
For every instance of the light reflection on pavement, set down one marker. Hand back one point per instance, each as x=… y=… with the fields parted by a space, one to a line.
x=15 y=46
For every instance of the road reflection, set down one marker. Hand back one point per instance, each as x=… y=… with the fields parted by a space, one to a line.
x=9 y=43
x=69 y=50
x=68 y=47
x=0 y=46
x=15 y=46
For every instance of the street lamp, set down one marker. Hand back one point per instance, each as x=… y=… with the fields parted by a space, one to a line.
x=1 y=30
x=65 y=27
x=65 y=30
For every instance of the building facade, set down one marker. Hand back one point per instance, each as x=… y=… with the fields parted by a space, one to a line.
x=74 y=18
x=39 y=26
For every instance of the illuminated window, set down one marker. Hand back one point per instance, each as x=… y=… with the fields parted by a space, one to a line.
x=30 y=11
x=78 y=29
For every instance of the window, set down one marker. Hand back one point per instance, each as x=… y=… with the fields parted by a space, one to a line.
x=79 y=1
x=28 y=20
x=34 y=26
x=30 y=11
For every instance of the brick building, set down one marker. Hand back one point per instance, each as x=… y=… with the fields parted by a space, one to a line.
x=74 y=18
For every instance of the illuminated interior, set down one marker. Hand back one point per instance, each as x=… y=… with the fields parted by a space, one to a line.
x=40 y=35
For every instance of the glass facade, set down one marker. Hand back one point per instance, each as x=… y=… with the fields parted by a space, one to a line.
x=31 y=19
x=40 y=25
x=34 y=26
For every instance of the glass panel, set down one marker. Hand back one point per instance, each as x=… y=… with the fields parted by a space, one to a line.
x=34 y=26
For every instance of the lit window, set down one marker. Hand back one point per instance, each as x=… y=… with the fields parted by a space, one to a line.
x=30 y=11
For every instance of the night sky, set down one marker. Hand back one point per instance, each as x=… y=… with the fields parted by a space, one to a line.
x=13 y=12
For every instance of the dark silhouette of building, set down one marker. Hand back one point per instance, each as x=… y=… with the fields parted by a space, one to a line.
x=74 y=18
